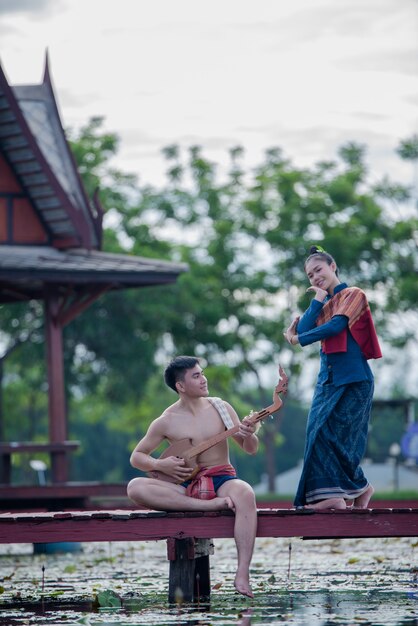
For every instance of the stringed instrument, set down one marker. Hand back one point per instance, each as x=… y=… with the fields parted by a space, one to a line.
x=185 y=449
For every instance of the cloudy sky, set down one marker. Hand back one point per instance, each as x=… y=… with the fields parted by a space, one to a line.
x=304 y=75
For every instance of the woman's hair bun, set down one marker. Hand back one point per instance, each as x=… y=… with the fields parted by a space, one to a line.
x=316 y=249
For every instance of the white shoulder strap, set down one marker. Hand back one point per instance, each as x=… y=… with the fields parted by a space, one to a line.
x=220 y=406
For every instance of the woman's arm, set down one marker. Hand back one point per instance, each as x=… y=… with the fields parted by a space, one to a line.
x=308 y=319
x=329 y=329
x=335 y=325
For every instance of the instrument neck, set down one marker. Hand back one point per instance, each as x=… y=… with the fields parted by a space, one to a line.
x=209 y=443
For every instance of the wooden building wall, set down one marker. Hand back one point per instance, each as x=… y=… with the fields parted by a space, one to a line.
x=19 y=223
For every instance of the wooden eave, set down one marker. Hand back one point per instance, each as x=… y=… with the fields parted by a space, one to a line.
x=65 y=223
x=26 y=272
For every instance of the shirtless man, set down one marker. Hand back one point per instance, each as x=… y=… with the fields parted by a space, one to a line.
x=193 y=416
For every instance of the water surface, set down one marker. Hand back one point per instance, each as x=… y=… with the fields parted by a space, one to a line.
x=314 y=583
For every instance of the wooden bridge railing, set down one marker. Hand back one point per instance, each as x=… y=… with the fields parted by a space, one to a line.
x=57 y=451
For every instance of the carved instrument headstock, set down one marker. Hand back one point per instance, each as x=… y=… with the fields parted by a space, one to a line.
x=281 y=387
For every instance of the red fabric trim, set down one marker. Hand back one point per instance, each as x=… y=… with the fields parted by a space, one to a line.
x=364 y=333
x=201 y=486
x=337 y=343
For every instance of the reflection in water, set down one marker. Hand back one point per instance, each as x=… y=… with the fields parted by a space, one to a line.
x=246 y=618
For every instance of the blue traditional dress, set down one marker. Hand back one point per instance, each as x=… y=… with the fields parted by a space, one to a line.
x=337 y=426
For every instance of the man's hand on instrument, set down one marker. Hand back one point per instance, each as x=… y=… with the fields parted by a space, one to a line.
x=174 y=466
x=247 y=428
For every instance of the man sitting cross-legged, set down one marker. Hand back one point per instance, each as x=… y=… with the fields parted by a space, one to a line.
x=198 y=417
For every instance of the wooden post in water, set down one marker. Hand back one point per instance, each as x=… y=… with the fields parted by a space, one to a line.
x=189 y=576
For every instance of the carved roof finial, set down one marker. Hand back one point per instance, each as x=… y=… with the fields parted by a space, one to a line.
x=47 y=73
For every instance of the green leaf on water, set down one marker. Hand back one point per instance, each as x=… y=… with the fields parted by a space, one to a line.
x=105 y=559
x=70 y=569
x=109 y=598
x=353 y=559
x=49 y=594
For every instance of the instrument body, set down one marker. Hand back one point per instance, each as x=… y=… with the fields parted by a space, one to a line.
x=180 y=449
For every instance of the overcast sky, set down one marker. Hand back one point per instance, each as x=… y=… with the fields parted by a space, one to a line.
x=304 y=75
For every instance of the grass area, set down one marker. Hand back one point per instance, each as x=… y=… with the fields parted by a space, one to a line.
x=382 y=495
x=396 y=495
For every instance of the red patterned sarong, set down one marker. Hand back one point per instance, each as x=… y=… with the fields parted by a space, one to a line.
x=201 y=486
x=352 y=303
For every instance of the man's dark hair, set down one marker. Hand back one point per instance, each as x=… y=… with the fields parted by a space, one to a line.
x=176 y=369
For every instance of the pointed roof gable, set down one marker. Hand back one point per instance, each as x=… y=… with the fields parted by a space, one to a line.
x=33 y=141
x=40 y=172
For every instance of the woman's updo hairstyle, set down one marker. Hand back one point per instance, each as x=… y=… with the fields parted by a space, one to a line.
x=316 y=252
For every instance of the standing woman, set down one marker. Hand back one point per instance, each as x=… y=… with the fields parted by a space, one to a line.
x=336 y=434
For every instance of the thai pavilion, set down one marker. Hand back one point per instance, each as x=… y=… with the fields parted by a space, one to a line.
x=51 y=235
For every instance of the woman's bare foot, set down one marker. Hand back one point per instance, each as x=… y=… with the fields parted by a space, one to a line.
x=331 y=503
x=362 y=501
x=242 y=585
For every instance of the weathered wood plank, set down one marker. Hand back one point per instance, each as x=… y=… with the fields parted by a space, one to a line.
x=154 y=525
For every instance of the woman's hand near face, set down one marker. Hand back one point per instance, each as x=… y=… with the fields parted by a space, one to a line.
x=320 y=294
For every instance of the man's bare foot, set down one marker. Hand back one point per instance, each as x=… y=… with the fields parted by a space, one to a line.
x=362 y=501
x=218 y=504
x=242 y=585
x=331 y=503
